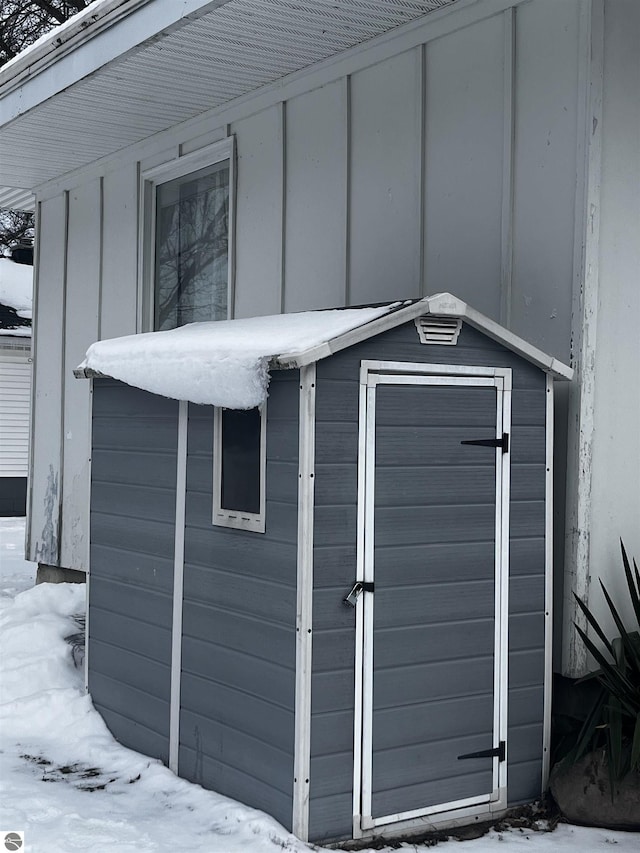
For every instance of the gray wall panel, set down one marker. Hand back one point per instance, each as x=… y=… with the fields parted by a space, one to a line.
x=132 y=538
x=238 y=650
x=200 y=766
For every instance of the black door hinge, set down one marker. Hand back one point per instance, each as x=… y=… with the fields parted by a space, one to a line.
x=499 y=751
x=491 y=442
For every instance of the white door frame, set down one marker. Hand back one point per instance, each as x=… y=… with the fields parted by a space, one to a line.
x=372 y=374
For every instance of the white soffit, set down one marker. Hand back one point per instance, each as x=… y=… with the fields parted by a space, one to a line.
x=200 y=64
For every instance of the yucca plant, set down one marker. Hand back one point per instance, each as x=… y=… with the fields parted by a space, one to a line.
x=613 y=720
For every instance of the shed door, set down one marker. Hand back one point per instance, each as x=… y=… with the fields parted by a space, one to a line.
x=432 y=618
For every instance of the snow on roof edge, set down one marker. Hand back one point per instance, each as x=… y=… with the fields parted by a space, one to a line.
x=223 y=363
x=227 y=363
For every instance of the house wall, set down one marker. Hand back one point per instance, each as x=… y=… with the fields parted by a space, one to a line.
x=335 y=535
x=446 y=161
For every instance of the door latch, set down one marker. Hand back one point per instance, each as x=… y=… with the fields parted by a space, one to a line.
x=356 y=589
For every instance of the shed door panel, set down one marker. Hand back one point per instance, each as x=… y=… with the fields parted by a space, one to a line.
x=432 y=556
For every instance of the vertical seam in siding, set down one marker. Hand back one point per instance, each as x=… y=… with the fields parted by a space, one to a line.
x=422 y=168
x=304 y=603
x=32 y=390
x=508 y=146
x=347 y=185
x=100 y=251
x=233 y=198
x=178 y=576
x=283 y=206
x=548 y=587
x=63 y=362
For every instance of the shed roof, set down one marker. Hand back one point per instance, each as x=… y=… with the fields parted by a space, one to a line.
x=227 y=363
x=123 y=70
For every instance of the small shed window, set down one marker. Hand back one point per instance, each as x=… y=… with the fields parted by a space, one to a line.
x=239 y=463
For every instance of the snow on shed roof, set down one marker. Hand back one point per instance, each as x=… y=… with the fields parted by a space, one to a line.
x=226 y=363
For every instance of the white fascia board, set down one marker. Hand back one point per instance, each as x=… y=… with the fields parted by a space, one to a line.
x=79 y=48
x=515 y=343
x=440 y=305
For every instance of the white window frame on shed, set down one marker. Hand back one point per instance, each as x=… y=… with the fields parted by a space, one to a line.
x=237 y=518
x=150 y=181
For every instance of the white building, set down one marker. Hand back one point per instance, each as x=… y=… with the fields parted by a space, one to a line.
x=386 y=150
x=15 y=384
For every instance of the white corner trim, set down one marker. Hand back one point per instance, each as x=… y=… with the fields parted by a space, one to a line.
x=584 y=323
x=304 y=602
x=548 y=589
x=178 y=577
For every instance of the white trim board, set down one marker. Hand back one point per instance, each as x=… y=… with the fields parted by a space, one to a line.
x=304 y=603
x=178 y=578
x=440 y=305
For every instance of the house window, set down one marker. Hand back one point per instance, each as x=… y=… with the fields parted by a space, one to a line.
x=188 y=246
x=239 y=462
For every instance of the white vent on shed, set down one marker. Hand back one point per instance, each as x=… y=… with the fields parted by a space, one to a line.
x=438 y=330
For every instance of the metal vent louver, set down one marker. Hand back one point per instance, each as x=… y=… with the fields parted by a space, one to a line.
x=438 y=330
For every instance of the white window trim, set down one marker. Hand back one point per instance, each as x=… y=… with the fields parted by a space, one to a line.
x=150 y=180
x=237 y=519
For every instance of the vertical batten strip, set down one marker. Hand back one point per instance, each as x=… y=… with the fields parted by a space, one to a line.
x=34 y=348
x=347 y=187
x=63 y=362
x=100 y=253
x=422 y=167
x=508 y=146
x=283 y=205
x=548 y=588
x=304 y=602
x=178 y=577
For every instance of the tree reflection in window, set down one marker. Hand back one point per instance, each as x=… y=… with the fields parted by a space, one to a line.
x=192 y=248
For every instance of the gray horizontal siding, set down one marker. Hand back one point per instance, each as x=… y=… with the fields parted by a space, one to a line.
x=238 y=650
x=133 y=482
x=334 y=556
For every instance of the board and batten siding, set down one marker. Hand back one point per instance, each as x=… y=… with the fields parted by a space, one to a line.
x=333 y=685
x=384 y=181
x=15 y=397
x=133 y=510
x=239 y=622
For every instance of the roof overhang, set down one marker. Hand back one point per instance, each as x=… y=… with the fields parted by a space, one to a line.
x=395 y=314
x=124 y=70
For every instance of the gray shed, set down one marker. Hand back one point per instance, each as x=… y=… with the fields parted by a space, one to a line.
x=336 y=608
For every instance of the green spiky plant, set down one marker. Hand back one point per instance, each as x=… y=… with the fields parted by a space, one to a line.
x=613 y=721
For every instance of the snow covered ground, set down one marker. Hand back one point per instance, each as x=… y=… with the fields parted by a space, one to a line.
x=69 y=786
